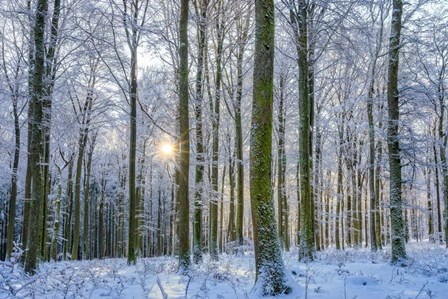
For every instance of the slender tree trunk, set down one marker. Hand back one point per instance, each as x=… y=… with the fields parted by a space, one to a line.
x=372 y=197
x=81 y=149
x=49 y=81
x=281 y=185
x=132 y=157
x=306 y=246
x=55 y=237
x=27 y=193
x=378 y=214
x=437 y=187
x=76 y=228
x=239 y=153
x=13 y=197
x=68 y=208
x=231 y=229
x=86 y=252
x=184 y=142
x=213 y=222
x=427 y=174
x=199 y=174
x=339 y=198
x=396 y=209
x=221 y=212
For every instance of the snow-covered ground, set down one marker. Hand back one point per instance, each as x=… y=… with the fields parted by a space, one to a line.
x=334 y=274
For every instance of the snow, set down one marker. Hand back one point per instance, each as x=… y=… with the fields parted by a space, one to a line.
x=354 y=273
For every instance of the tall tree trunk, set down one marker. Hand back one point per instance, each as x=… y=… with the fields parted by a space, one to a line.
x=55 y=237
x=281 y=184
x=221 y=211
x=396 y=209
x=83 y=136
x=213 y=222
x=49 y=81
x=231 y=230
x=184 y=142
x=378 y=189
x=239 y=151
x=37 y=139
x=372 y=197
x=437 y=187
x=68 y=208
x=427 y=174
x=270 y=271
x=339 y=197
x=85 y=251
x=132 y=157
x=15 y=165
x=27 y=193
x=299 y=21
x=199 y=174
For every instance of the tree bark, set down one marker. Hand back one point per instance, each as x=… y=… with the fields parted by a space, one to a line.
x=184 y=142
x=199 y=174
x=395 y=192
x=37 y=139
x=270 y=271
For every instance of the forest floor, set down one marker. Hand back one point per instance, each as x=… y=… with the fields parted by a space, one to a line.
x=349 y=274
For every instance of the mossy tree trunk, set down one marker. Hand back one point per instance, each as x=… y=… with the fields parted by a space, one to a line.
x=27 y=193
x=299 y=19
x=270 y=271
x=395 y=192
x=37 y=139
x=184 y=142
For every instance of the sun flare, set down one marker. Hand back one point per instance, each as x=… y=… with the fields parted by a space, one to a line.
x=167 y=149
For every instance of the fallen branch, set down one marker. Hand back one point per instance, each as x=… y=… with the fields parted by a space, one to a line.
x=162 y=290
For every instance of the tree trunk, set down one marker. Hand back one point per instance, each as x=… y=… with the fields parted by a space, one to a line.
x=396 y=209
x=281 y=184
x=270 y=271
x=199 y=174
x=231 y=231
x=81 y=149
x=213 y=222
x=27 y=193
x=50 y=77
x=306 y=246
x=184 y=142
x=37 y=140
x=68 y=208
x=239 y=152
x=15 y=166
x=85 y=251
x=372 y=197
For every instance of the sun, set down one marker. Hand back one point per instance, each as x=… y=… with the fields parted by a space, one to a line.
x=167 y=149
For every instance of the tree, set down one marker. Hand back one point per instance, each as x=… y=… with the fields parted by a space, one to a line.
x=306 y=209
x=37 y=139
x=201 y=10
x=84 y=116
x=215 y=108
x=393 y=142
x=270 y=272
x=184 y=142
